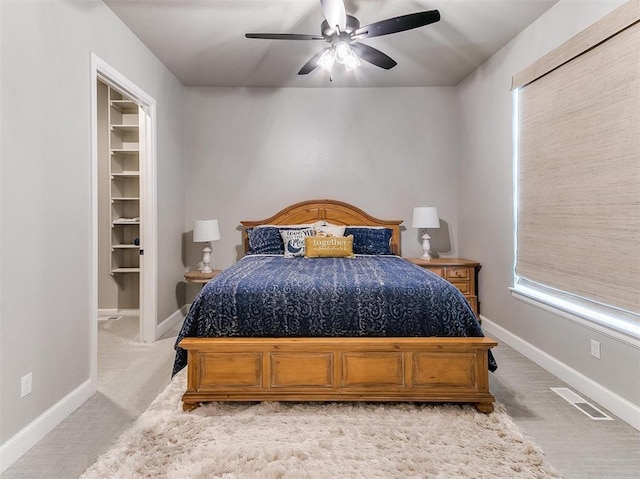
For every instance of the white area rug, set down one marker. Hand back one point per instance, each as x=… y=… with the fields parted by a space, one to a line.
x=319 y=440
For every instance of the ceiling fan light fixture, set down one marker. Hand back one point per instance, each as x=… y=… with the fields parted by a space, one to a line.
x=343 y=52
x=327 y=59
x=346 y=56
x=352 y=62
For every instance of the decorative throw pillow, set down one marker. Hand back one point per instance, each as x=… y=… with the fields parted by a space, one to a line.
x=294 y=242
x=322 y=228
x=370 y=240
x=329 y=247
x=265 y=241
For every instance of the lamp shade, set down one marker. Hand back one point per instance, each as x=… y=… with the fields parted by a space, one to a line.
x=426 y=217
x=206 y=230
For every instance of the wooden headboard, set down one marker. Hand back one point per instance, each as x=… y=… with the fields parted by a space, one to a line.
x=332 y=211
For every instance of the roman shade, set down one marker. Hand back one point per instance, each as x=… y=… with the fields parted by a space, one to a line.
x=578 y=165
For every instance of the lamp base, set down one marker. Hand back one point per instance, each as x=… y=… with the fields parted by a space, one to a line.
x=206 y=259
x=426 y=247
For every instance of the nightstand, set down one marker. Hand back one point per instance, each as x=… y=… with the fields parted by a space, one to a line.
x=199 y=277
x=462 y=273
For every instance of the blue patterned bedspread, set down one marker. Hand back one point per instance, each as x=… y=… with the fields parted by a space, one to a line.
x=272 y=296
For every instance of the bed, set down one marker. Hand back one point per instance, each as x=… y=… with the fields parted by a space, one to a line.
x=373 y=327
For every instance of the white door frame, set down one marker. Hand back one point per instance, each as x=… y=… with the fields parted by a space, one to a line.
x=100 y=70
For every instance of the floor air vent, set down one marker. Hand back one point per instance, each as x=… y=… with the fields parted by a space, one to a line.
x=578 y=402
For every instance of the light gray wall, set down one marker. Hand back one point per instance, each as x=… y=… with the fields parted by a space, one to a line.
x=485 y=212
x=45 y=188
x=251 y=152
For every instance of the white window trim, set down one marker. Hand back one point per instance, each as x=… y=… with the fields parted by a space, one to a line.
x=615 y=324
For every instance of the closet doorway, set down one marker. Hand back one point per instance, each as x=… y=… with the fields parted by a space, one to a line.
x=124 y=202
x=120 y=249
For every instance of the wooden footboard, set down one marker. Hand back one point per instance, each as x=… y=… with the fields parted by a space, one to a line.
x=338 y=369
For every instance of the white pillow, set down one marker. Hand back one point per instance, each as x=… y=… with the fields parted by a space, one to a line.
x=322 y=228
x=294 y=242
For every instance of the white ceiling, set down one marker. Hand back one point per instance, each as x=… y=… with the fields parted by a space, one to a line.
x=202 y=41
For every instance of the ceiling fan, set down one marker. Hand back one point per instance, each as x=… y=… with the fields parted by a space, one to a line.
x=343 y=33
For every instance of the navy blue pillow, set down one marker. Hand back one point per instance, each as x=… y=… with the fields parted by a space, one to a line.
x=265 y=240
x=370 y=240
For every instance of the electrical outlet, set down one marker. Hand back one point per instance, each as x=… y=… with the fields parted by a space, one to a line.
x=25 y=385
x=595 y=349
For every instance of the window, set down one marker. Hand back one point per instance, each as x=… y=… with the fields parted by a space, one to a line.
x=577 y=167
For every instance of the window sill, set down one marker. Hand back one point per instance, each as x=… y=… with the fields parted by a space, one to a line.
x=618 y=325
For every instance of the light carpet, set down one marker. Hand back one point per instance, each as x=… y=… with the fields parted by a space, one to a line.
x=274 y=440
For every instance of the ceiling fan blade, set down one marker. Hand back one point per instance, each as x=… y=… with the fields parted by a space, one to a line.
x=312 y=64
x=283 y=36
x=373 y=56
x=397 y=24
x=335 y=13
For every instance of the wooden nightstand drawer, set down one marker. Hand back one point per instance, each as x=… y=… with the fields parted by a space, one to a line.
x=464 y=287
x=457 y=273
x=438 y=271
x=473 y=302
x=462 y=273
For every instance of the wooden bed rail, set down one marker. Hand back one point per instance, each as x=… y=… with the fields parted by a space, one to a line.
x=338 y=369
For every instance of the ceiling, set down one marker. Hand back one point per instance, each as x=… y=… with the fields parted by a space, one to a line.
x=202 y=42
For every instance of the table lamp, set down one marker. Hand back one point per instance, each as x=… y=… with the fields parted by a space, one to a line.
x=426 y=217
x=205 y=231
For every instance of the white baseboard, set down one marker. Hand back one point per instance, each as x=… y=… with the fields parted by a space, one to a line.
x=619 y=406
x=29 y=436
x=171 y=321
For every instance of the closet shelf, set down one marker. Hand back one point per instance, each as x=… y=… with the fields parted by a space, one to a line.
x=124 y=128
x=125 y=106
x=125 y=270
x=120 y=223
x=125 y=151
